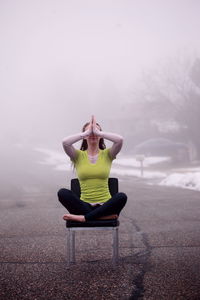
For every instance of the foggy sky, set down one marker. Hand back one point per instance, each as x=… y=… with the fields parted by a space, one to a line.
x=61 y=60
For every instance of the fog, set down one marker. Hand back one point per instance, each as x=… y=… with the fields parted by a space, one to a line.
x=62 y=61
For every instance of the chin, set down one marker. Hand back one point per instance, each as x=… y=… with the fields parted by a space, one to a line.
x=93 y=139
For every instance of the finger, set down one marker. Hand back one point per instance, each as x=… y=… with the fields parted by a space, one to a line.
x=94 y=121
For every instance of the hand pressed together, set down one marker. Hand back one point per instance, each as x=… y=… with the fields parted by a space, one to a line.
x=95 y=128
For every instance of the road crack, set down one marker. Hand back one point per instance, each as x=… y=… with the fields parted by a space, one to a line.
x=143 y=259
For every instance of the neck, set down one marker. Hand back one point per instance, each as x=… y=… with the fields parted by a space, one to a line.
x=93 y=149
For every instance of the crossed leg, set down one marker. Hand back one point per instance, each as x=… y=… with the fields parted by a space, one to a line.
x=81 y=211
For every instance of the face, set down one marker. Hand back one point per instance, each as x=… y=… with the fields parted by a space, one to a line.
x=93 y=139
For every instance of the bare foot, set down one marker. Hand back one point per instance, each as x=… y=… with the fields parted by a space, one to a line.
x=110 y=217
x=72 y=217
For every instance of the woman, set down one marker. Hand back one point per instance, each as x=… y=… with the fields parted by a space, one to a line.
x=92 y=163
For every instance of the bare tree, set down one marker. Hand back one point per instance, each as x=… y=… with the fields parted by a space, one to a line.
x=170 y=97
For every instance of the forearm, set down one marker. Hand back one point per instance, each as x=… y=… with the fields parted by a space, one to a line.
x=113 y=137
x=70 y=140
x=117 y=142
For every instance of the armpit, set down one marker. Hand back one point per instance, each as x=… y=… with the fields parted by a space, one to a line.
x=110 y=155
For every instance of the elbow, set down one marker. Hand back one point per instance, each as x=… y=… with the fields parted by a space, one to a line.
x=121 y=140
x=65 y=143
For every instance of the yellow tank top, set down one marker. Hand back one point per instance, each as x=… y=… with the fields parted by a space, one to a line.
x=93 y=178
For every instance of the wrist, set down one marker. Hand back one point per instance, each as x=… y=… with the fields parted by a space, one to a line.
x=100 y=134
x=85 y=133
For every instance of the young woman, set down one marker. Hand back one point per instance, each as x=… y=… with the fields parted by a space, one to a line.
x=92 y=162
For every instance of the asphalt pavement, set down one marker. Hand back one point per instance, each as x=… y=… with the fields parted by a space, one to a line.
x=159 y=240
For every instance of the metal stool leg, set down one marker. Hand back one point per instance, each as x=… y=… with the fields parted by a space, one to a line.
x=115 y=246
x=72 y=244
x=68 y=246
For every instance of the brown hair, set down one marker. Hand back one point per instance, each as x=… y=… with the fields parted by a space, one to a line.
x=84 y=144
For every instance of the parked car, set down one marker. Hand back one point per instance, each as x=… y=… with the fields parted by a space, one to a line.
x=163 y=147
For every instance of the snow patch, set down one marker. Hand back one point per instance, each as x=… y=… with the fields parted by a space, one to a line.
x=185 y=180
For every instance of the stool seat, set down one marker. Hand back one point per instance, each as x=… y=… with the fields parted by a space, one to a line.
x=95 y=223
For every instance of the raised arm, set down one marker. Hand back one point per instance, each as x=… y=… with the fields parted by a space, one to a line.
x=113 y=137
x=70 y=140
x=117 y=142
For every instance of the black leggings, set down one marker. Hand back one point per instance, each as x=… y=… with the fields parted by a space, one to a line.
x=78 y=207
